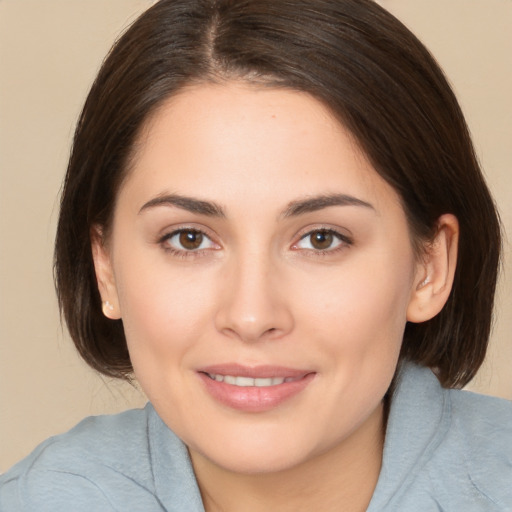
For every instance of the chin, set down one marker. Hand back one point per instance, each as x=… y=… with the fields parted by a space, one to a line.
x=262 y=455
x=260 y=463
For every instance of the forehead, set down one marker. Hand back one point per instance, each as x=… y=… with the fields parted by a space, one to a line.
x=220 y=114
x=249 y=142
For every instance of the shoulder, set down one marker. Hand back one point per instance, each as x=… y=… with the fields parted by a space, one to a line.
x=471 y=464
x=107 y=440
x=481 y=432
x=479 y=415
x=445 y=449
x=76 y=470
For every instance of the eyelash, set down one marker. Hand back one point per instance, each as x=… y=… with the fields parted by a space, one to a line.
x=344 y=242
x=184 y=253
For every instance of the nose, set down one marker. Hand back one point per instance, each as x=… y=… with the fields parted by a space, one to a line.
x=252 y=303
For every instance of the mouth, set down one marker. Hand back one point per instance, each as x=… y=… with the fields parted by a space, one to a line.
x=245 y=382
x=254 y=389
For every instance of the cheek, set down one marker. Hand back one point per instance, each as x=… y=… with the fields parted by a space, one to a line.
x=362 y=307
x=164 y=309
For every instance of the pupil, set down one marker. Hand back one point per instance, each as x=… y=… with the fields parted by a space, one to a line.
x=190 y=239
x=321 y=240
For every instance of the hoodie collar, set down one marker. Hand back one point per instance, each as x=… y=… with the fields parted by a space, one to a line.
x=418 y=420
x=175 y=482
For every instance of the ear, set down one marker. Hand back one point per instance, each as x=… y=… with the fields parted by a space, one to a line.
x=104 y=274
x=435 y=272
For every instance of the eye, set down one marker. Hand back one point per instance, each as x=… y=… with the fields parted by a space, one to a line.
x=322 y=240
x=188 y=240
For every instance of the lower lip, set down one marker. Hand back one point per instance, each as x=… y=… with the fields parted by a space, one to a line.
x=252 y=398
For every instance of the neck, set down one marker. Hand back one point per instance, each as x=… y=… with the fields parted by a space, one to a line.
x=342 y=478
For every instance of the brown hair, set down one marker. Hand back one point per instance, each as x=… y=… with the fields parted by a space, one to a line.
x=357 y=59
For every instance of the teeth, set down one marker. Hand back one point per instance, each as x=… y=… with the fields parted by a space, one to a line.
x=228 y=379
x=250 y=382
x=267 y=382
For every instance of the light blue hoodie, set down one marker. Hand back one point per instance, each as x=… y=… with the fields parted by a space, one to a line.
x=445 y=450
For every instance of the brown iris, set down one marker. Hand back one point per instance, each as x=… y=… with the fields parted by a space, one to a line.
x=191 y=239
x=322 y=239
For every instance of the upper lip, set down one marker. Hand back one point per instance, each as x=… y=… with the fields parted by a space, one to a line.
x=261 y=371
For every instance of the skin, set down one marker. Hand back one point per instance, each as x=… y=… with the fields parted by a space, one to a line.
x=260 y=291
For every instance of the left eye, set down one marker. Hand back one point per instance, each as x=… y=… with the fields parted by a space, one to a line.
x=188 y=240
x=321 y=240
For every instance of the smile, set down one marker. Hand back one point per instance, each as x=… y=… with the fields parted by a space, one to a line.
x=254 y=389
x=245 y=382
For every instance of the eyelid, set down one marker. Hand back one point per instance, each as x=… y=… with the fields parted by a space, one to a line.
x=186 y=226
x=344 y=239
x=170 y=232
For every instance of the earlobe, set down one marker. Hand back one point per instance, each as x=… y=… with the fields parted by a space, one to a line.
x=436 y=271
x=104 y=274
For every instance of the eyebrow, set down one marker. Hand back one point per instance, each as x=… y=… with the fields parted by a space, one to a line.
x=293 y=209
x=313 y=204
x=190 y=204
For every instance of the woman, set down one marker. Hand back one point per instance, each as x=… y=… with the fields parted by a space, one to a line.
x=273 y=217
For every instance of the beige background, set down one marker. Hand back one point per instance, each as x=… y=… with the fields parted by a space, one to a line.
x=49 y=53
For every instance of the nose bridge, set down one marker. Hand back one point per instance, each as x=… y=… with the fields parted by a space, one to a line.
x=254 y=305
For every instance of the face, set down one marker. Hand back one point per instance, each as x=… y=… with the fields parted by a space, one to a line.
x=263 y=272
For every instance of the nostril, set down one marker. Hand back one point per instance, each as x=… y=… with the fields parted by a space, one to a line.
x=254 y=317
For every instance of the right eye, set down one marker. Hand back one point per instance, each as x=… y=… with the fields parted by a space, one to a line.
x=187 y=240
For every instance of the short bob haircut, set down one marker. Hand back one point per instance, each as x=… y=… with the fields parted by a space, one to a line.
x=372 y=73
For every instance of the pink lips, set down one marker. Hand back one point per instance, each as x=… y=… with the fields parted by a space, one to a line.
x=254 y=398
